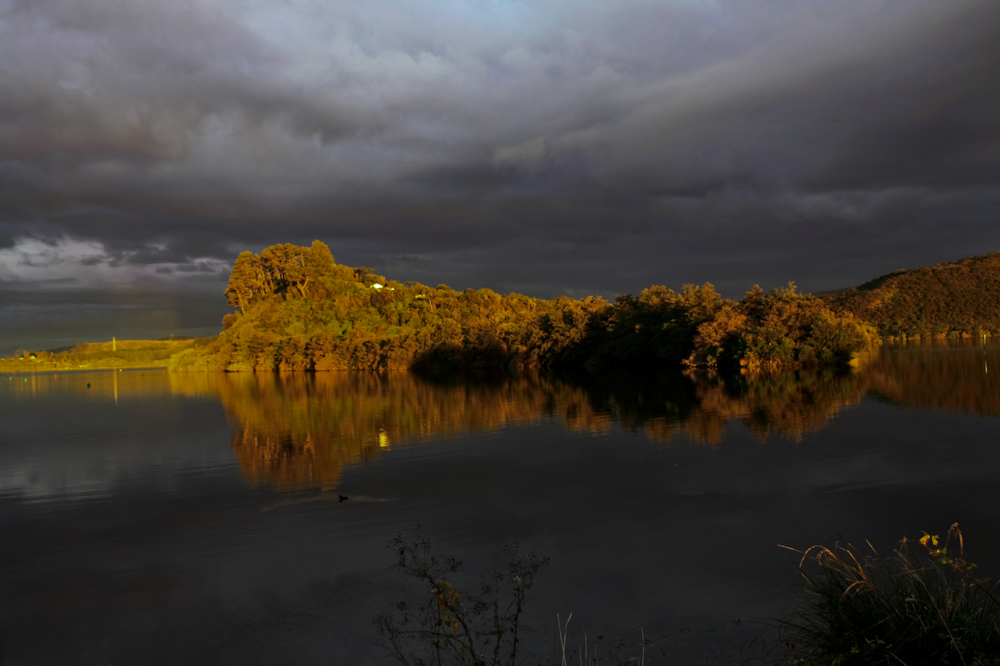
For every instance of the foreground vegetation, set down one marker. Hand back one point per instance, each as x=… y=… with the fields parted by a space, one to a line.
x=922 y=605
x=453 y=627
x=102 y=355
x=443 y=622
x=300 y=310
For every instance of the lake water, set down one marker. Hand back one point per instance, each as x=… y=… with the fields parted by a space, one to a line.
x=157 y=518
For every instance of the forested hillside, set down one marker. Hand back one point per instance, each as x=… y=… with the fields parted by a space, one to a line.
x=297 y=309
x=957 y=297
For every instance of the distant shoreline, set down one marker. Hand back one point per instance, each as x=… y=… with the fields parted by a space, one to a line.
x=57 y=370
x=39 y=364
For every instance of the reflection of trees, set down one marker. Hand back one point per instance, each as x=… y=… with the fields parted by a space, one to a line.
x=702 y=404
x=948 y=375
x=298 y=431
x=788 y=404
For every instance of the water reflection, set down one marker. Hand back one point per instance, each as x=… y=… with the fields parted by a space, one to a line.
x=942 y=375
x=100 y=385
x=298 y=431
x=70 y=435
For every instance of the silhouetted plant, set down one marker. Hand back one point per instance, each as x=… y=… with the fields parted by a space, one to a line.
x=447 y=626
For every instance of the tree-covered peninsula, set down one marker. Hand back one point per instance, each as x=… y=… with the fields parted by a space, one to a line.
x=297 y=309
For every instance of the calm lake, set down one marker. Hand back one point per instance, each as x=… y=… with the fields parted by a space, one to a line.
x=156 y=518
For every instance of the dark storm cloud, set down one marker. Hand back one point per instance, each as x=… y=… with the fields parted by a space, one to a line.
x=935 y=125
x=589 y=147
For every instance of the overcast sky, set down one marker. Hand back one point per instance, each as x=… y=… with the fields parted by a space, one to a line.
x=547 y=147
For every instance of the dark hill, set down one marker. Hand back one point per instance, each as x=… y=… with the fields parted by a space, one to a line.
x=958 y=297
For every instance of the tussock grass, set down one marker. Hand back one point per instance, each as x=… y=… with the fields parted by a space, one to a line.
x=921 y=605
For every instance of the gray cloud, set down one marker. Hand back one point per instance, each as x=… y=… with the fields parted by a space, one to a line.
x=553 y=148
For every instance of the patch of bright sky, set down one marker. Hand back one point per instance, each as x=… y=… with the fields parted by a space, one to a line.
x=67 y=261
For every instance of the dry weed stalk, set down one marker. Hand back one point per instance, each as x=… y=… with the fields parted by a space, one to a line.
x=448 y=627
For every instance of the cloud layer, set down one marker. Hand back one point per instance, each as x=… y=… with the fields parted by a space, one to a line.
x=550 y=147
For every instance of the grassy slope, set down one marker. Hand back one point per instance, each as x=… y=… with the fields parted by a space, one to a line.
x=99 y=355
x=957 y=297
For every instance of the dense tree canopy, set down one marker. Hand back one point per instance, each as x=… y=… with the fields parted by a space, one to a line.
x=276 y=270
x=780 y=328
x=300 y=310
